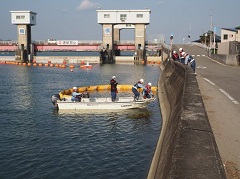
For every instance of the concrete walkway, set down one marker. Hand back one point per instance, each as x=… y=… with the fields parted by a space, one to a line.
x=220 y=88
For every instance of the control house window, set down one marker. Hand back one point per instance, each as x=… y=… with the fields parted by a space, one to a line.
x=106 y=15
x=20 y=17
x=139 y=15
x=123 y=17
x=225 y=36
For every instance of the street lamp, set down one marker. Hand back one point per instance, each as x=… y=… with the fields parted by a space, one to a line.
x=171 y=39
x=206 y=39
x=171 y=42
x=211 y=26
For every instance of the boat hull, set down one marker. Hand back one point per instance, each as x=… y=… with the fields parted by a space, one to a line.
x=103 y=103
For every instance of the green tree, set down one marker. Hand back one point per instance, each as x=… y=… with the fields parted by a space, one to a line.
x=206 y=39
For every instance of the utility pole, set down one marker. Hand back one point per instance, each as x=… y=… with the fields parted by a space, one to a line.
x=214 y=38
x=211 y=26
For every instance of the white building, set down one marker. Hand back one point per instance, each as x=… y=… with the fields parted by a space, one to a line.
x=228 y=35
x=230 y=38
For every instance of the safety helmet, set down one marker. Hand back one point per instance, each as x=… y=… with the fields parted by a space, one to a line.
x=181 y=49
x=174 y=51
x=114 y=77
x=149 y=84
x=141 y=80
x=75 y=88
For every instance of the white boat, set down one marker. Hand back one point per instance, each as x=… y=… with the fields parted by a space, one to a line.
x=62 y=101
x=101 y=103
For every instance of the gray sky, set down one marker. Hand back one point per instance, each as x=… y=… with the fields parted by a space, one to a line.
x=77 y=19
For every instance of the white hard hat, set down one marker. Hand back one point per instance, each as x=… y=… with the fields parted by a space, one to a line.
x=75 y=88
x=141 y=80
x=150 y=84
x=174 y=51
x=180 y=49
x=114 y=77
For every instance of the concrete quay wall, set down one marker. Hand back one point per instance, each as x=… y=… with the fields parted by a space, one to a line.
x=186 y=147
x=67 y=59
x=78 y=59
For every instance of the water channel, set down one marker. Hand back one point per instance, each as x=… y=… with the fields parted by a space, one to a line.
x=39 y=142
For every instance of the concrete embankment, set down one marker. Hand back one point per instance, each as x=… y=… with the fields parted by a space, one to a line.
x=80 y=59
x=186 y=147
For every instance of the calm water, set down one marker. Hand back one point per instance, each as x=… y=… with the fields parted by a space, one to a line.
x=38 y=142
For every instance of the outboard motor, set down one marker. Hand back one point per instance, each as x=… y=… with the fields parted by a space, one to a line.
x=85 y=94
x=54 y=98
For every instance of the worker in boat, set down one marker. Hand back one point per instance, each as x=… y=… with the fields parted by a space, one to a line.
x=189 y=60
x=75 y=95
x=114 y=90
x=136 y=87
x=147 y=93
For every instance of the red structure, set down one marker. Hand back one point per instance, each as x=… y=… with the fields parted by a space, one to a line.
x=11 y=46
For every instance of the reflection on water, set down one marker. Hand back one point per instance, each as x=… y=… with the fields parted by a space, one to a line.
x=38 y=142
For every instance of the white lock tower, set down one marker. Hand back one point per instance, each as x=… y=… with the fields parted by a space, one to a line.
x=24 y=20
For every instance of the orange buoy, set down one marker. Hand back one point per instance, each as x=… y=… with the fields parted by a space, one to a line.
x=46 y=64
x=40 y=64
x=56 y=65
x=34 y=64
x=63 y=66
x=29 y=64
x=71 y=66
x=142 y=62
x=51 y=65
x=24 y=64
x=3 y=62
x=88 y=67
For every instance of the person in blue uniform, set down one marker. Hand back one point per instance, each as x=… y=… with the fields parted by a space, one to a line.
x=136 y=87
x=75 y=95
x=189 y=60
x=114 y=90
